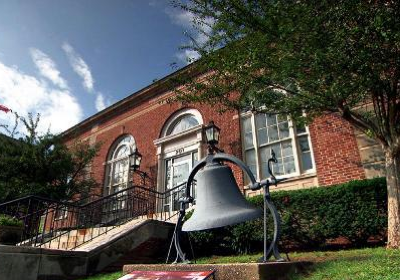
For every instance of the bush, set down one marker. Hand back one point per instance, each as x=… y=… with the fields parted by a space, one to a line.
x=356 y=211
x=6 y=220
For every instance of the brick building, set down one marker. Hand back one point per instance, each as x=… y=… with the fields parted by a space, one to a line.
x=170 y=138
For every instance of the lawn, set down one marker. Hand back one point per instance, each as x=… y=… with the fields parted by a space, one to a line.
x=358 y=264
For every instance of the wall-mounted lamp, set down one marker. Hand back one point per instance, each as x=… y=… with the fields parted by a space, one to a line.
x=212 y=137
x=134 y=164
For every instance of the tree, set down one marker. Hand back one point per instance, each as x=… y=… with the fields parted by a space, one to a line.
x=42 y=164
x=313 y=57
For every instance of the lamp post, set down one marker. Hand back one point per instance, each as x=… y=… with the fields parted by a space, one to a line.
x=134 y=164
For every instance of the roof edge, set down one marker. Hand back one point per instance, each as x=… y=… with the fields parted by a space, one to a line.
x=141 y=94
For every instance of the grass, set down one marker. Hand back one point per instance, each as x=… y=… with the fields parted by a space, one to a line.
x=357 y=264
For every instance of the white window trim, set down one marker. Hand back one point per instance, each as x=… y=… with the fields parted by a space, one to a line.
x=190 y=140
x=292 y=137
x=171 y=121
x=108 y=184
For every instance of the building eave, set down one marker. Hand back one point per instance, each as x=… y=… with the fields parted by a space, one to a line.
x=137 y=97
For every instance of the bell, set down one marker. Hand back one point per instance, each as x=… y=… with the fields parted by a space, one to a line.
x=219 y=202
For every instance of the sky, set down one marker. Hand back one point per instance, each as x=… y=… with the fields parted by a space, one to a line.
x=67 y=60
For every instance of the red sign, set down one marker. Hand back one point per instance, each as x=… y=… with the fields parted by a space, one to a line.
x=167 y=275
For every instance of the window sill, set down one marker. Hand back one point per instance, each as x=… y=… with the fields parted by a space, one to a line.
x=290 y=179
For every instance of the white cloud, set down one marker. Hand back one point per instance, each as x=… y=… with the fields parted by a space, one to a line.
x=80 y=67
x=23 y=94
x=180 y=17
x=47 y=68
x=187 y=20
x=188 y=56
x=100 y=104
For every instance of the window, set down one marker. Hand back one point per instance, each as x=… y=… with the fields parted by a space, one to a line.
x=61 y=213
x=263 y=132
x=118 y=164
x=183 y=123
x=180 y=122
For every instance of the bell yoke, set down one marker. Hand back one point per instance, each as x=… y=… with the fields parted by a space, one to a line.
x=219 y=201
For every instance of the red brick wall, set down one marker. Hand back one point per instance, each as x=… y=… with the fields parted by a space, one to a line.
x=335 y=149
x=145 y=122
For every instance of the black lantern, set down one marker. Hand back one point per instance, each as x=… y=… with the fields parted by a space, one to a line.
x=134 y=160
x=212 y=133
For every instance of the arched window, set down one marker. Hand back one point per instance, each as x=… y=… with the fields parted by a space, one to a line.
x=182 y=123
x=118 y=164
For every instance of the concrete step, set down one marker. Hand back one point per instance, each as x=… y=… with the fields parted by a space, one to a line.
x=90 y=237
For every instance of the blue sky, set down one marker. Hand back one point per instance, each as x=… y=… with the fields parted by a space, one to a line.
x=69 y=59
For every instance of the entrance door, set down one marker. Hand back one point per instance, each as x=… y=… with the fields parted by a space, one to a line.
x=180 y=173
x=177 y=172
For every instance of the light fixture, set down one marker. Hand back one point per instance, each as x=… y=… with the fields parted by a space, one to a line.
x=135 y=159
x=212 y=137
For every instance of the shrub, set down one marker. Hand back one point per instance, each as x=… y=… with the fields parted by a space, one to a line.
x=6 y=220
x=356 y=210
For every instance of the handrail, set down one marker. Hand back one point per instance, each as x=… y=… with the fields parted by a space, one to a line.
x=46 y=220
x=36 y=197
x=66 y=203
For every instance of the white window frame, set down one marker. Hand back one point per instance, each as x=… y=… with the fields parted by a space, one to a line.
x=293 y=136
x=168 y=126
x=171 y=145
x=111 y=160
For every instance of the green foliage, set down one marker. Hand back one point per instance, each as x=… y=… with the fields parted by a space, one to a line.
x=43 y=165
x=6 y=220
x=300 y=56
x=356 y=210
x=296 y=57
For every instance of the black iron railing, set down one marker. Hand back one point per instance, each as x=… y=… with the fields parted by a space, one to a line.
x=66 y=225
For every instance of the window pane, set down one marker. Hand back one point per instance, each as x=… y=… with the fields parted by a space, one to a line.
x=182 y=124
x=265 y=154
x=264 y=170
x=283 y=130
x=247 y=125
x=122 y=151
x=277 y=168
x=168 y=174
x=306 y=161
x=261 y=121
x=120 y=171
x=262 y=136
x=282 y=118
x=304 y=146
x=289 y=165
x=287 y=149
x=300 y=128
x=251 y=161
x=271 y=119
x=195 y=158
x=303 y=143
x=277 y=150
x=248 y=140
x=247 y=132
x=273 y=133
